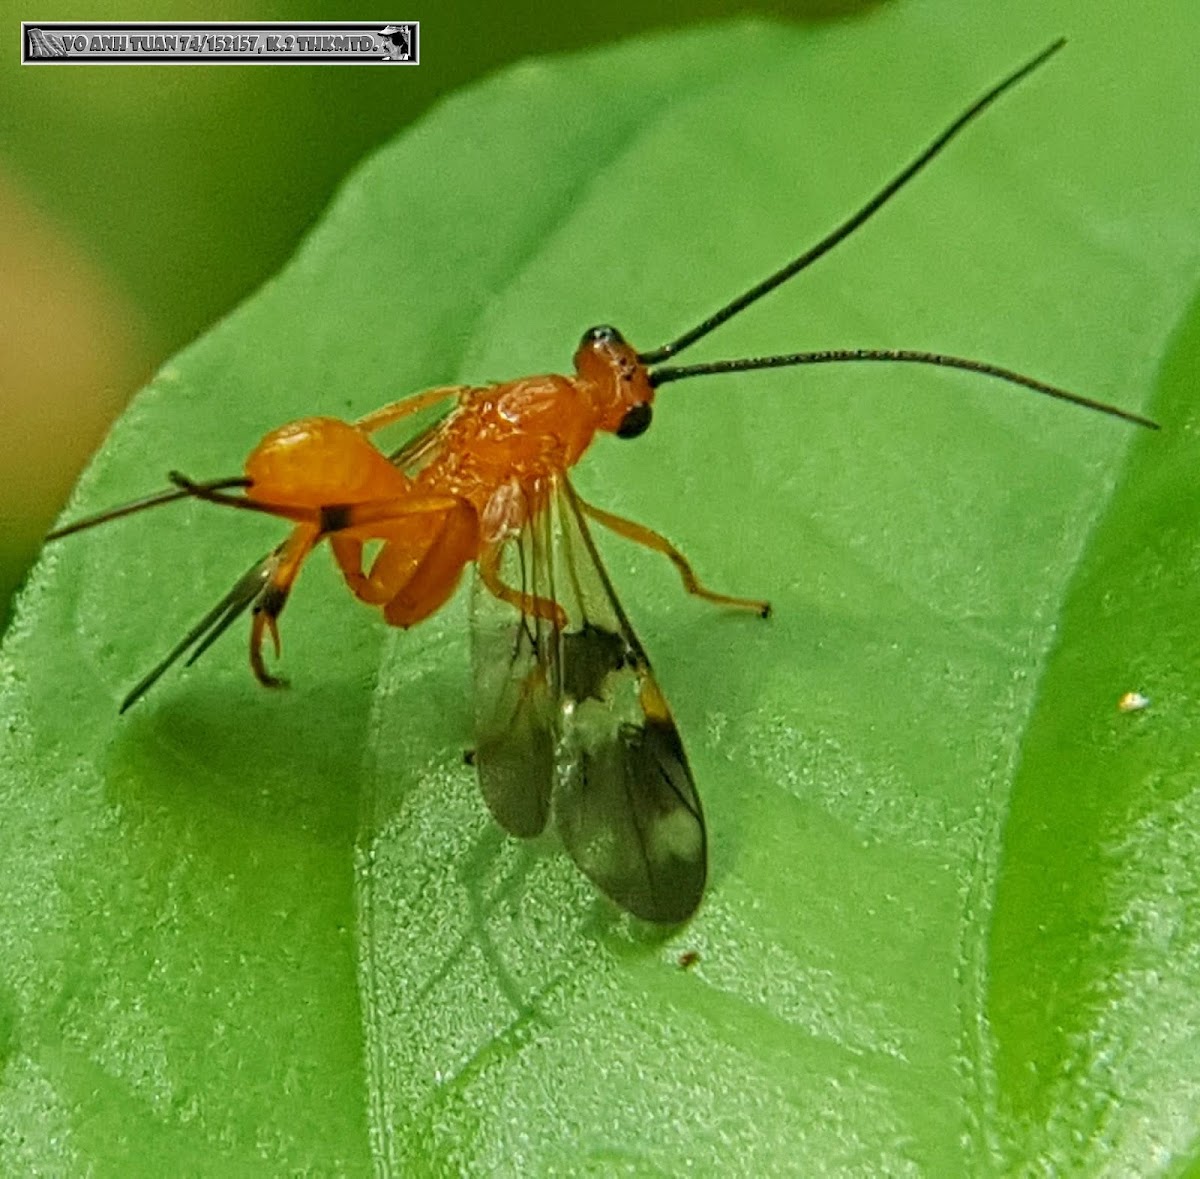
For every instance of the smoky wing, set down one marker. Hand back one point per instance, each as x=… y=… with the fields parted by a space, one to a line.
x=625 y=802
x=628 y=813
x=412 y=452
x=571 y=722
x=515 y=670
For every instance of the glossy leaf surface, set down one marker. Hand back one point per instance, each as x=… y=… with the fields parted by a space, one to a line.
x=951 y=920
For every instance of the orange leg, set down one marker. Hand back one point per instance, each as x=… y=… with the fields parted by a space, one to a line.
x=403 y=548
x=245 y=503
x=427 y=541
x=348 y=551
x=650 y=539
x=530 y=604
x=274 y=596
x=430 y=584
x=328 y=521
x=397 y=411
x=291 y=554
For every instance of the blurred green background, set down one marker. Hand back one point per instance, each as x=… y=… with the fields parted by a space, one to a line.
x=138 y=204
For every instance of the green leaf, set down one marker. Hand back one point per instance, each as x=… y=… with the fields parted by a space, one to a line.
x=951 y=924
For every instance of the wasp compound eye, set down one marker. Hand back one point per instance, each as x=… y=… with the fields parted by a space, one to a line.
x=636 y=421
x=603 y=334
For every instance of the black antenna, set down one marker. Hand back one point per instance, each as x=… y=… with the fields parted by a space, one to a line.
x=851 y=223
x=901 y=356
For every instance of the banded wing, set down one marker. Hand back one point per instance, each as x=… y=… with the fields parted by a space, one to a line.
x=570 y=722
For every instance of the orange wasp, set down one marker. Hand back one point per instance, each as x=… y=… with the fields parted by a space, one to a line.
x=569 y=720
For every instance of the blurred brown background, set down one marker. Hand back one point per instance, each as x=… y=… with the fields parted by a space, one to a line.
x=138 y=204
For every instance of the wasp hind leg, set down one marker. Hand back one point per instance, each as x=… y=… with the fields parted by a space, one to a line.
x=427 y=540
x=273 y=597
